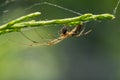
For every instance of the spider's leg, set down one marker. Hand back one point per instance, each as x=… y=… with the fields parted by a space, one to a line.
x=87 y=32
x=28 y=37
x=81 y=32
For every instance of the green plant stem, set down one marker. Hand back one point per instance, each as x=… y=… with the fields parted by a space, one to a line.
x=29 y=16
x=83 y=18
x=17 y=25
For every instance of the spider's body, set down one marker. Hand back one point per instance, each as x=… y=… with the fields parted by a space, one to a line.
x=63 y=31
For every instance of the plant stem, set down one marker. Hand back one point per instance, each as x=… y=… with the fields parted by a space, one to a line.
x=18 y=24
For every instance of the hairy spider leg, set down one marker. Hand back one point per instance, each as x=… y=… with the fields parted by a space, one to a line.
x=80 y=31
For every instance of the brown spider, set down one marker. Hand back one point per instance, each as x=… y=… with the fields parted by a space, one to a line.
x=64 y=33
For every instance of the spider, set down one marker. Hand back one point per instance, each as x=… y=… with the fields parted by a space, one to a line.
x=77 y=31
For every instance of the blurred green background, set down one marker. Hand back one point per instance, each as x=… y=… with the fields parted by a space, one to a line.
x=92 y=57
